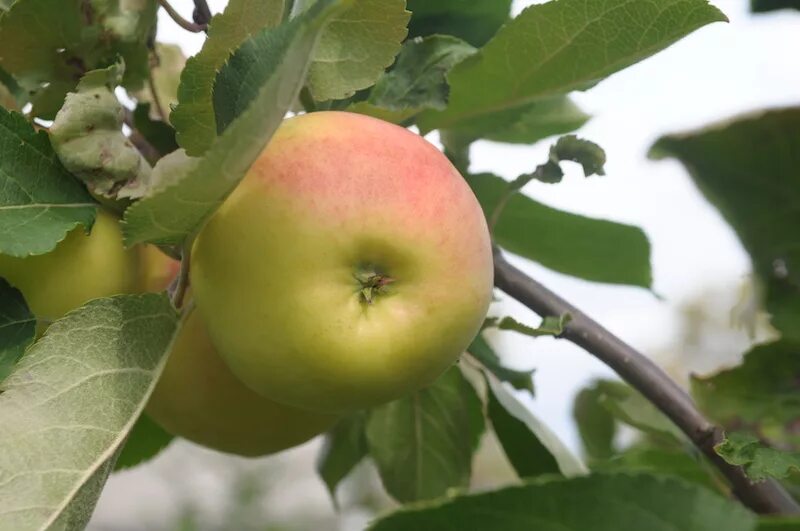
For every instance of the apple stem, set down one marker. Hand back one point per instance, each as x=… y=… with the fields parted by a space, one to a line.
x=372 y=285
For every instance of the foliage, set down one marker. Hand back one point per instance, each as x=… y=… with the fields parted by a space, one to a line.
x=71 y=398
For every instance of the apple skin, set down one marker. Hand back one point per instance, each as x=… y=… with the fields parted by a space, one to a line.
x=334 y=198
x=81 y=267
x=198 y=398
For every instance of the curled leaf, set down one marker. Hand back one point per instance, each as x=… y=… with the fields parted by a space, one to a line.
x=87 y=137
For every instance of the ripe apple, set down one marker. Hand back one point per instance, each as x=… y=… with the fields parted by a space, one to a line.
x=351 y=265
x=199 y=399
x=81 y=267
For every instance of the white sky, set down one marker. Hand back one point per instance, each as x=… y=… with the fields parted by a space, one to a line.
x=719 y=71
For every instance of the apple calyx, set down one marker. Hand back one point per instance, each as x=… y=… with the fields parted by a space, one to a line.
x=372 y=284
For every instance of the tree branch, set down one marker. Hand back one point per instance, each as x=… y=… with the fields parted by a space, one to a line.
x=646 y=377
x=179 y=20
x=201 y=14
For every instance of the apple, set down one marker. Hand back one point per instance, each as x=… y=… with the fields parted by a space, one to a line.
x=351 y=266
x=198 y=398
x=81 y=267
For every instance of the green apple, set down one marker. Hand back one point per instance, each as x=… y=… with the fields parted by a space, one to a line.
x=199 y=399
x=352 y=265
x=81 y=267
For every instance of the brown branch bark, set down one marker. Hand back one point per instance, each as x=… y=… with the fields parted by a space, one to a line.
x=765 y=497
x=188 y=25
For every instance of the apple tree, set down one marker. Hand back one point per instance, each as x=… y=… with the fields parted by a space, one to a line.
x=138 y=295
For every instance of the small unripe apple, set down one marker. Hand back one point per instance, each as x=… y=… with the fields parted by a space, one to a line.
x=352 y=265
x=81 y=267
x=198 y=398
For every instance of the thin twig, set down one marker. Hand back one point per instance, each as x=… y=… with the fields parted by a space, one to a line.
x=179 y=286
x=147 y=149
x=180 y=21
x=151 y=83
x=640 y=372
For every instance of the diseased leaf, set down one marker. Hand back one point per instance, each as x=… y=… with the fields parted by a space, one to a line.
x=524 y=451
x=193 y=117
x=17 y=327
x=588 y=248
x=761 y=395
x=759 y=461
x=356 y=47
x=519 y=379
x=474 y=21
x=417 y=79
x=601 y=502
x=560 y=47
x=750 y=170
x=40 y=202
x=145 y=440
x=423 y=444
x=569 y=464
x=345 y=446
x=70 y=402
x=87 y=137
x=174 y=211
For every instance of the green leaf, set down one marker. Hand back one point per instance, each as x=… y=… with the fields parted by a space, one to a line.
x=750 y=170
x=77 y=514
x=417 y=80
x=423 y=444
x=39 y=201
x=761 y=395
x=193 y=117
x=345 y=446
x=70 y=402
x=46 y=102
x=356 y=47
x=519 y=379
x=778 y=523
x=601 y=502
x=569 y=464
x=87 y=137
x=548 y=117
x=524 y=451
x=12 y=97
x=56 y=41
x=177 y=209
x=759 y=461
x=629 y=406
x=674 y=462
x=17 y=327
x=166 y=74
x=145 y=440
x=474 y=21
x=159 y=134
x=596 y=424
x=550 y=326
x=593 y=249
x=563 y=46
x=763 y=6
x=589 y=155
